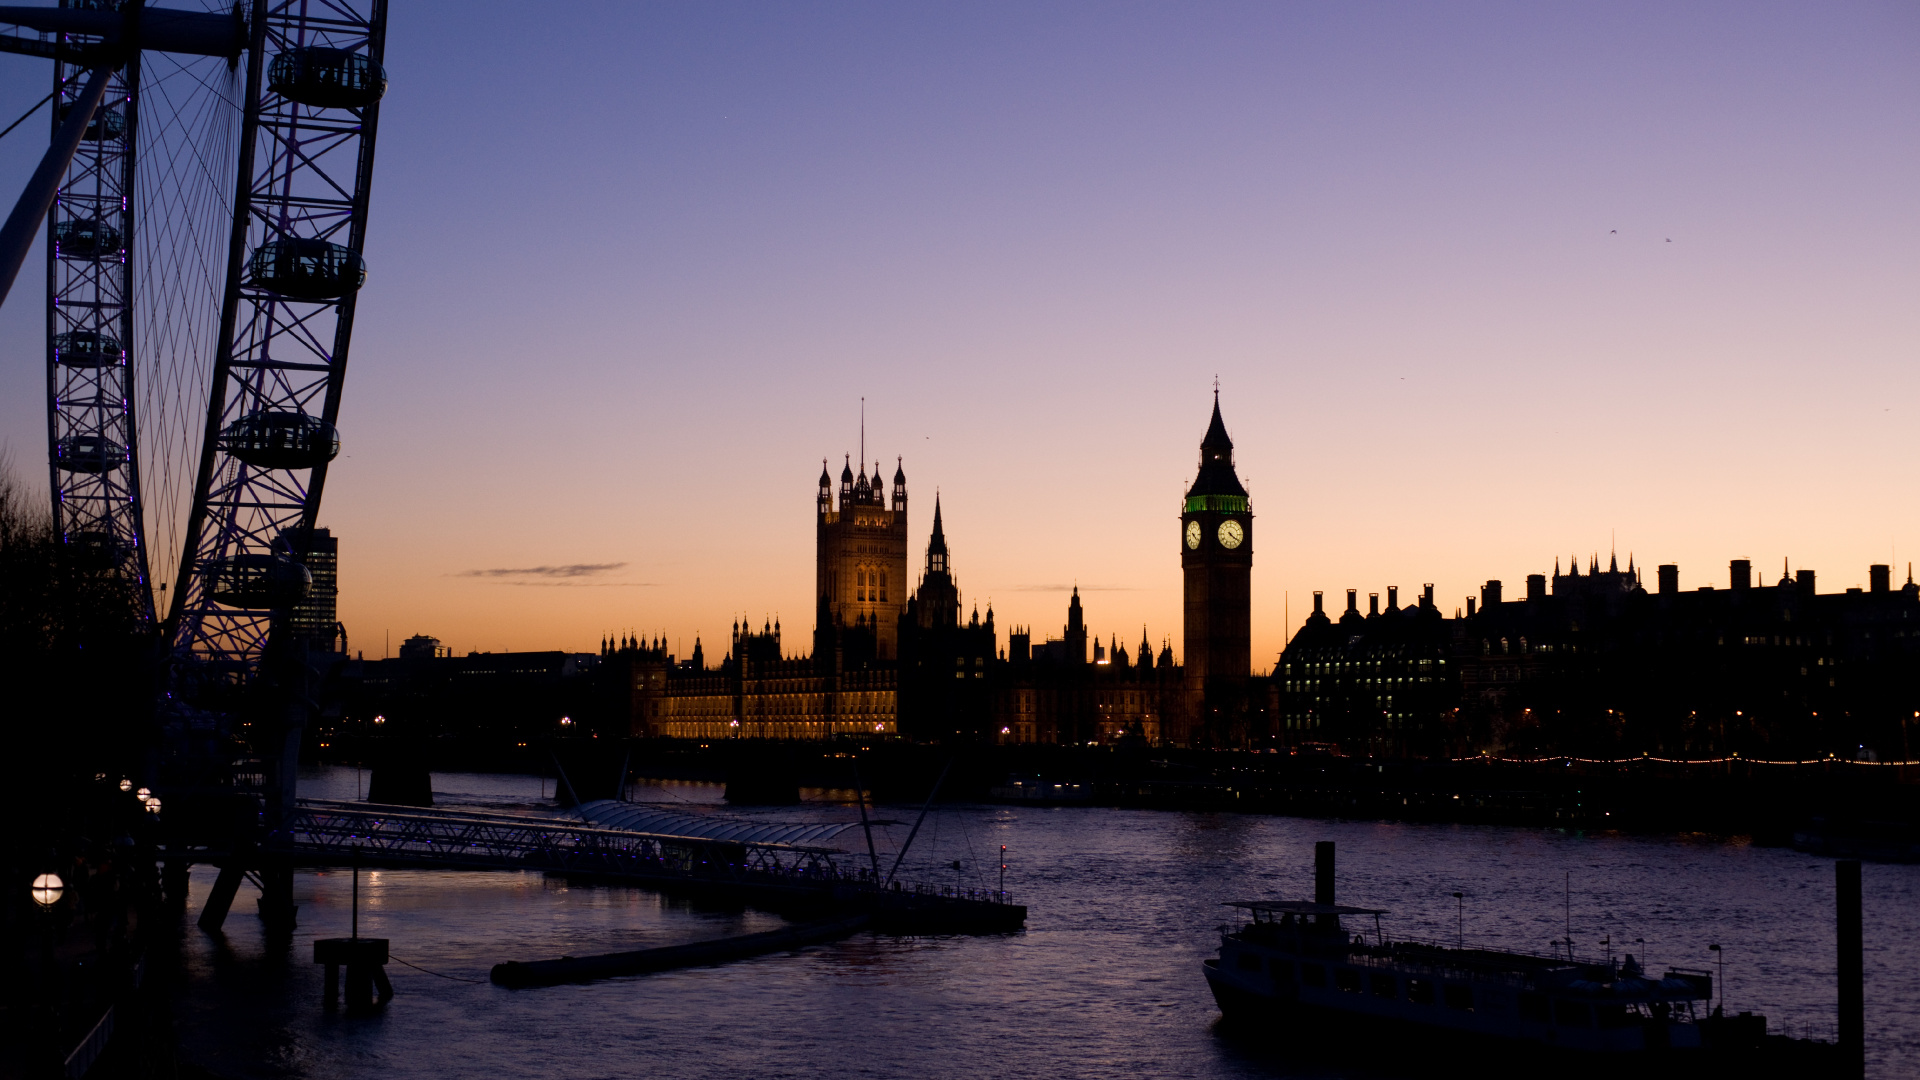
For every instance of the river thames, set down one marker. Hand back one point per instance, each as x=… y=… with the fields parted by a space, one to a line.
x=1105 y=981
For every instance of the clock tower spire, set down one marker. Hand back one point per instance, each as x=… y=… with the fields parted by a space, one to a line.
x=1216 y=560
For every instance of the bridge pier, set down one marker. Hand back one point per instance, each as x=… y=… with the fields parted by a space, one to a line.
x=220 y=900
x=277 y=909
x=276 y=906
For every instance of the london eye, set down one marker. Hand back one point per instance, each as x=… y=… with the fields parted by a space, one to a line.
x=204 y=200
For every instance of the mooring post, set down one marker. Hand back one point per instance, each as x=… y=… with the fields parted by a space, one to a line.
x=1323 y=879
x=364 y=959
x=1852 y=967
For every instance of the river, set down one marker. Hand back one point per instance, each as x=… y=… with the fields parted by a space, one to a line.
x=1105 y=980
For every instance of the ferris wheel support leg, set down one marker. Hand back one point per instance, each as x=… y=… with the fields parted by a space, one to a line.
x=16 y=236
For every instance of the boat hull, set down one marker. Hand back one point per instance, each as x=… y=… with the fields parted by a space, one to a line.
x=1323 y=1032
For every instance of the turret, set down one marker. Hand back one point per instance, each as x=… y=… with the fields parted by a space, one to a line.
x=1076 y=630
x=899 y=486
x=826 y=489
x=846 y=485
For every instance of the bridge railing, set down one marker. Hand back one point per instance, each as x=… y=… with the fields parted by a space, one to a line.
x=442 y=838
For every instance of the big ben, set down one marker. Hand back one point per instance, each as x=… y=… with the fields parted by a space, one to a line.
x=1216 y=557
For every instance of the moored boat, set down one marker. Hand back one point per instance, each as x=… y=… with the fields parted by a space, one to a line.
x=1296 y=966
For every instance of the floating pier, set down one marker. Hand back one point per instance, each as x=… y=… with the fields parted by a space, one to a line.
x=774 y=868
x=571 y=969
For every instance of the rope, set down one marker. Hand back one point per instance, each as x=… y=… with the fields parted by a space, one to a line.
x=453 y=978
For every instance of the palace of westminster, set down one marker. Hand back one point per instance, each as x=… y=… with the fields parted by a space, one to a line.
x=887 y=661
x=1591 y=663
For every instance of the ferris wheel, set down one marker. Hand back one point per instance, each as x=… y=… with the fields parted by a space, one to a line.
x=205 y=206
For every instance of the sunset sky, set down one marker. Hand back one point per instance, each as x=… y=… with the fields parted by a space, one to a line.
x=1483 y=285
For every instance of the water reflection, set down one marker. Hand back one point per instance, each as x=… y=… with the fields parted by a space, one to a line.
x=1103 y=982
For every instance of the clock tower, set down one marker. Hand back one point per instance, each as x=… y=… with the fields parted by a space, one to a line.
x=1216 y=558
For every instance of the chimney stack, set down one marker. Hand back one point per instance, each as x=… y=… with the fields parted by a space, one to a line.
x=1323 y=880
x=1469 y=607
x=1317 y=600
x=1490 y=593
x=1879 y=578
x=1426 y=595
x=1741 y=570
x=1669 y=579
x=1803 y=580
x=1393 y=598
x=1373 y=604
x=1353 y=602
x=1536 y=586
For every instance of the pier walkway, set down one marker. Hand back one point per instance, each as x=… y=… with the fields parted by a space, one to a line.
x=773 y=866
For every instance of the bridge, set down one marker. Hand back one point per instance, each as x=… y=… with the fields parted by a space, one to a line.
x=774 y=866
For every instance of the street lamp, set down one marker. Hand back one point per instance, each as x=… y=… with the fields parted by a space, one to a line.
x=46 y=889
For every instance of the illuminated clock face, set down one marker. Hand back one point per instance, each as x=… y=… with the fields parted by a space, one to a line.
x=1231 y=534
x=1193 y=535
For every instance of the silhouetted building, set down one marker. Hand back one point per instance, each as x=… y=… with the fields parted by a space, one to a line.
x=945 y=693
x=1596 y=665
x=1216 y=560
x=1378 y=682
x=316 y=616
x=860 y=576
x=504 y=697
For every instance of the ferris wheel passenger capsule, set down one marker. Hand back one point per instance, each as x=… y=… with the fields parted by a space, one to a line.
x=95 y=549
x=86 y=238
x=89 y=454
x=106 y=124
x=303 y=268
x=258 y=581
x=327 y=78
x=86 y=349
x=281 y=439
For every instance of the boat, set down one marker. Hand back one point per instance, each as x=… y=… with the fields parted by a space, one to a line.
x=1295 y=965
x=1035 y=791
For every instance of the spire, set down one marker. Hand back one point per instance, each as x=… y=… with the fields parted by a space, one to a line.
x=937 y=557
x=1216 y=475
x=1216 y=446
x=899 y=472
x=846 y=471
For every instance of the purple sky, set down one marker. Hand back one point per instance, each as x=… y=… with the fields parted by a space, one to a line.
x=631 y=271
